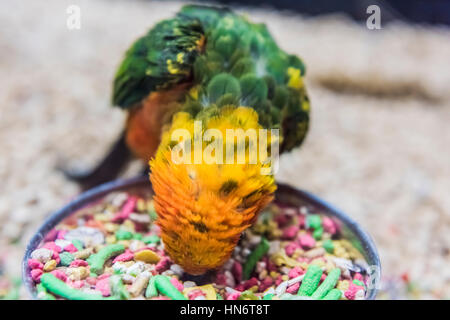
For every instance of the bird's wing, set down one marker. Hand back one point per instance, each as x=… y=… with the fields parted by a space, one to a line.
x=158 y=60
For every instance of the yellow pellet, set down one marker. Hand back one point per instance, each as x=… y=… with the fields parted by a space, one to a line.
x=101 y=217
x=274 y=274
x=254 y=289
x=83 y=254
x=79 y=273
x=128 y=225
x=111 y=227
x=141 y=205
x=50 y=265
x=147 y=256
x=111 y=239
x=343 y=285
x=125 y=243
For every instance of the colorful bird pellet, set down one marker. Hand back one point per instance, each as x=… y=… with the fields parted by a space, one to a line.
x=310 y=281
x=164 y=286
x=96 y=261
x=328 y=284
x=58 y=287
x=111 y=254
x=254 y=256
x=333 y=294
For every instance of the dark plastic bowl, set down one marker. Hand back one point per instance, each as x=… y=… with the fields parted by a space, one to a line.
x=285 y=195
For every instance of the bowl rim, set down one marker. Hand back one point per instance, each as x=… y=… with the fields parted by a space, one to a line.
x=87 y=197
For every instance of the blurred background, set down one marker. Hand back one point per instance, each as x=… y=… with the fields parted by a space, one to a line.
x=378 y=147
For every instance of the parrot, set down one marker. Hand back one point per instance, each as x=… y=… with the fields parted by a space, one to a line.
x=205 y=71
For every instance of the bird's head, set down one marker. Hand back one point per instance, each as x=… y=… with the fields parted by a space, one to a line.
x=205 y=197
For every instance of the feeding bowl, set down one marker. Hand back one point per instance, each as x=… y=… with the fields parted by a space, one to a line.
x=285 y=196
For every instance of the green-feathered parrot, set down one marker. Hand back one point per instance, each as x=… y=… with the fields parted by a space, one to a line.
x=211 y=66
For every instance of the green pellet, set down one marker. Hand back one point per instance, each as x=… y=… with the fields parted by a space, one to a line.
x=78 y=244
x=327 y=284
x=60 y=288
x=118 y=290
x=310 y=281
x=151 y=290
x=313 y=221
x=286 y=296
x=151 y=239
x=334 y=294
x=254 y=257
x=40 y=288
x=358 y=282
x=137 y=236
x=268 y=296
x=248 y=295
x=164 y=286
x=219 y=297
x=66 y=258
x=124 y=235
x=97 y=261
x=328 y=245
x=317 y=234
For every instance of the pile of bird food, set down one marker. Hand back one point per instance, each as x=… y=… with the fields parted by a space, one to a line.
x=112 y=250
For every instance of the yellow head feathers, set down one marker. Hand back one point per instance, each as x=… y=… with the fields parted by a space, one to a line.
x=203 y=206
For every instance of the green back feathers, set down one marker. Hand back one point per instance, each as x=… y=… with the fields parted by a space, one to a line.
x=163 y=57
x=240 y=64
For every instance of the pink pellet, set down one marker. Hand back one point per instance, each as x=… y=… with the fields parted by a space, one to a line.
x=295 y=272
x=35 y=264
x=162 y=265
x=234 y=296
x=126 y=210
x=290 y=248
x=52 y=246
x=250 y=283
x=91 y=280
x=56 y=257
x=103 y=276
x=351 y=291
x=303 y=259
x=270 y=265
x=78 y=263
x=290 y=232
x=61 y=234
x=195 y=293
x=77 y=284
x=177 y=284
x=161 y=298
x=358 y=276
x=278 y=280
x=237 y=271
x=103 y=286
x=301 y=221
x=221 y=279
x=36 y=275
x=294 y=288
x=328 y=225
x=70 y=248
x=126 y=256
x=239 y=287
x=59 y=274
x=306 y=241
x=282 y=220
x=265 y=283
x=51 y=236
